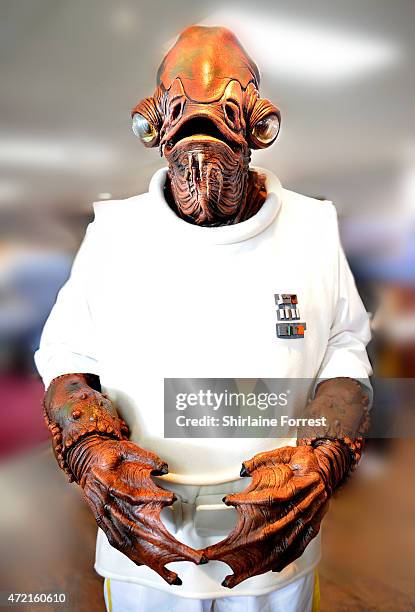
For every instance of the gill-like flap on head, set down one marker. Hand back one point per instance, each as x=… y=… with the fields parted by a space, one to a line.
x=205 y=59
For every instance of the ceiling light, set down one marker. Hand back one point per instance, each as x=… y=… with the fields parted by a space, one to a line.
x=302 y=50
x=43 y=153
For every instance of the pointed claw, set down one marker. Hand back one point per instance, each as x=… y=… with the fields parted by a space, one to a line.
x=203 y=560
x=227 y=581
x=244 y=471
x=161 y=471
x=169 y=577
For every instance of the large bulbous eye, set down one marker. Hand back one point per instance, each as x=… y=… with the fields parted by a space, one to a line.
x=143 y=129
x=266 y=130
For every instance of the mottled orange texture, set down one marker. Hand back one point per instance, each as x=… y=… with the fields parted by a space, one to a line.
x=281 y=509
x=89 y=440
x=205 y=116
x=205 y=60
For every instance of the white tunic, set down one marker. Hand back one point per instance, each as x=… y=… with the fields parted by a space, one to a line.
x=152 y=296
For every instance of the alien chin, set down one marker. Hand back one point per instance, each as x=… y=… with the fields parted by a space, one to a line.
x=207 y=178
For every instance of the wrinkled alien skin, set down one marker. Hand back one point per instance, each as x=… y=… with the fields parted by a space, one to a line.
x=205 y=116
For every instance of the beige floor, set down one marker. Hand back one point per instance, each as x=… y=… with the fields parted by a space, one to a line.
x=47 y=537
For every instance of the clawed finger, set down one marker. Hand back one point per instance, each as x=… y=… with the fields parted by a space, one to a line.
x=266 y=490
x=169 y=576
x=138 y=496
x=302 y=540
x=232 y=580
x=115 y=536
x=267 y=459
x=146 y=529
x=262 y=540
x=145 y=458
x=134 y=485
x=139 y=533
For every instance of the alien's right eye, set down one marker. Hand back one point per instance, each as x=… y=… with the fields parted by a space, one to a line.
x=143 y=129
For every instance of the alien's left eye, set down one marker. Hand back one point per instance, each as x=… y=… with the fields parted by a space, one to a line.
x=266 y=130
x=143 y=129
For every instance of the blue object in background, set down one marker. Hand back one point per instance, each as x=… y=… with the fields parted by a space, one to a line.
x=28 y=289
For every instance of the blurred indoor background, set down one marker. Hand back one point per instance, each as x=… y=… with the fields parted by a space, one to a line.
x=342 y=74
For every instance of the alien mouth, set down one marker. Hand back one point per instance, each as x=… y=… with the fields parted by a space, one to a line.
x=200 y=129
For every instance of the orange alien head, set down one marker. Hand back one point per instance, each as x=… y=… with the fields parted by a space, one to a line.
x=205 y=116
x=207 y=82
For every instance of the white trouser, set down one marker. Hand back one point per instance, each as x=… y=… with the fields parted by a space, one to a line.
x=130 y=597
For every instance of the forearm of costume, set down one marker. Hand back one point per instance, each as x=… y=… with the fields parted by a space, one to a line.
x=339 y=443
x=75 y=408
x=114 y=473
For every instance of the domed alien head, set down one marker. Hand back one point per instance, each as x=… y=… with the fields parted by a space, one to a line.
x=205 y=116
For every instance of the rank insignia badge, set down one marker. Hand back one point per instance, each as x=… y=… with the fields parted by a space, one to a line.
x=288 y=313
